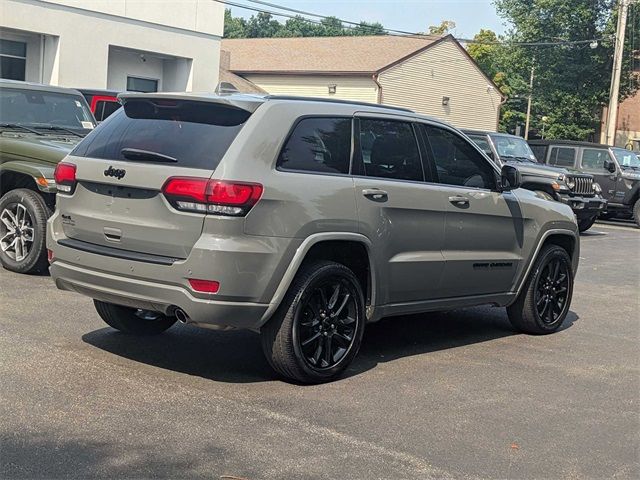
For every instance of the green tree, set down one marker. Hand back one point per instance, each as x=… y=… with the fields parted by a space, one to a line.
x=571 y=80
x=234 y=27
x=443 y=29
x=264 y=25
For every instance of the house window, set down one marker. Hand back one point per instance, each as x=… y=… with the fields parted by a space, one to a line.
x=13 y=59
x=144 y=85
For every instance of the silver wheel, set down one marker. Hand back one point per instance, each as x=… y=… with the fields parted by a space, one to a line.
x=16 y=231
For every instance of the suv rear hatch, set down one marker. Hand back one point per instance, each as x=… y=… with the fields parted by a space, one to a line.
x=116 y=200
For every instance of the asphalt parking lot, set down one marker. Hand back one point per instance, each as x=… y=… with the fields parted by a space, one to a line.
x=451 y=395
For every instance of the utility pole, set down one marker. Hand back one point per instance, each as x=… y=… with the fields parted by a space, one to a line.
x=526 y=125
x=614 y=91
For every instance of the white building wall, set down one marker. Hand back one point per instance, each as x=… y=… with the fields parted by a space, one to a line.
x=86 y=33
x=443 y=70
x=123 y=64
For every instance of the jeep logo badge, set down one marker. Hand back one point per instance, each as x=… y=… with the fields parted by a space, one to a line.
x=115 y=172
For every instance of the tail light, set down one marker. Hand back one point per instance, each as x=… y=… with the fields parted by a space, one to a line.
x=205 y=286
x=65 y=177
x=216 y=197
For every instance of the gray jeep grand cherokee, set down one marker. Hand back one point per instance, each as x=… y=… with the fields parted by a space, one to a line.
x=302 y=219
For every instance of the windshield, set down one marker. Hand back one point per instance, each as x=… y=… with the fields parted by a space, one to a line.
x=513 y=148
x=626 y=158
x=45 y=110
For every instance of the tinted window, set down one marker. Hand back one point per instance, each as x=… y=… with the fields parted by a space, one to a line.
x=539 y=151
x=483 y=143
x=318 y=145
x=13 y=59
x=562 y=156
x=196 y=134
x=104 y=109
x=593 y=159
x=457 y=162
x=389 y=150
x=145 y=85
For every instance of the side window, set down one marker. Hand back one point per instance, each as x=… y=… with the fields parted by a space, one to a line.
x=483 y=143
x=318 y=145
x=593 y=160
x=539 y=151
x=562 y=156
x=457 y=162
x=389 y=149
x=104 y=109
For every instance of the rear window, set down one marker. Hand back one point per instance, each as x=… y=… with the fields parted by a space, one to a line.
x=195 y=134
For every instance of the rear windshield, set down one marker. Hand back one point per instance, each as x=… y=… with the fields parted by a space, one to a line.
x=195 y=134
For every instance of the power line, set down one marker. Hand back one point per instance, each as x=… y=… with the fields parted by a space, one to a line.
x=392 y=32
x=302 y=12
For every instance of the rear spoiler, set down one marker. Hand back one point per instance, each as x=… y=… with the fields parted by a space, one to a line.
x=248 y=103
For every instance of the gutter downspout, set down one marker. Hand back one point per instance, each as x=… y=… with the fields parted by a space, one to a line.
x=374 y=77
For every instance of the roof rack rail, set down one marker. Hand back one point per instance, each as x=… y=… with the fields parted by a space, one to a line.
x=331 y=100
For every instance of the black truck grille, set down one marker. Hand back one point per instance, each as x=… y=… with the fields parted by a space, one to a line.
x=582 y=185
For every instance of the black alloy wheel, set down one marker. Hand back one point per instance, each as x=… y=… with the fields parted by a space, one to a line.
x=552 y=291
x=544 y=300
x=316 y=332
x=326 y=323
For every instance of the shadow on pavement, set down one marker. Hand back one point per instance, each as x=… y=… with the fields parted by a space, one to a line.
x=49 y=455
x=236 y=357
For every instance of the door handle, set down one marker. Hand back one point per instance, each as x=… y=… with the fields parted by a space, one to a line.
x=459 y=200
x=375 y=194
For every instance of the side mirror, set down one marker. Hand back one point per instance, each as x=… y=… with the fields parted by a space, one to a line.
x=610 y=166
x=510 y=178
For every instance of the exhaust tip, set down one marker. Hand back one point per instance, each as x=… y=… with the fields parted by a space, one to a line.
x=181 y=315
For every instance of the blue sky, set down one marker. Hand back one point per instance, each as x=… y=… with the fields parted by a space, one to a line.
x=411 y=15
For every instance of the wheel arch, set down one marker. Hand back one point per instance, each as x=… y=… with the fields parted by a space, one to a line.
x=567 y=239
x=350 y=249
x=14 y=175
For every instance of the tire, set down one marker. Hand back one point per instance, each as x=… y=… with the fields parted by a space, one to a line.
x=636 y=212
x=586 y=223
x=27 y=210
x=129 y=320
x=524 y=313
x=545 y=195
x=304 y=328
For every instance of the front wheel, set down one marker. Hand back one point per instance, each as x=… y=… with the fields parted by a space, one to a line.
x=132 y=320
x=544 y=302
x=317 y=330
x=636 y=212
x=586 y=223
x=23 y=222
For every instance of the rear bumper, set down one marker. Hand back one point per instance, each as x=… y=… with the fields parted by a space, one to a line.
x=156 y=296
x=585 y=207
x=248 y=269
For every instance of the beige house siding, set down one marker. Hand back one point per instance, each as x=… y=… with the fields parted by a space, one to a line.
x=443 y=70
x=360 y=88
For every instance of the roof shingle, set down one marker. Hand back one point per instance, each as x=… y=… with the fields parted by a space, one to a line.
x=364 y=54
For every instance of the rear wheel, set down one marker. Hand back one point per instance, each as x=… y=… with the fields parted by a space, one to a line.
x=317 y=330
x=586 y=223
x=544 y=301
x=132 y=320
x=636 y=212
x=23 y=221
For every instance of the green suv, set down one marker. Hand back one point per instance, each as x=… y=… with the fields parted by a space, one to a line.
x=615 y=169
x=39 y=125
